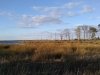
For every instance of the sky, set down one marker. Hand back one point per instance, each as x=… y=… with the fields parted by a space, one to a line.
x=33 y=19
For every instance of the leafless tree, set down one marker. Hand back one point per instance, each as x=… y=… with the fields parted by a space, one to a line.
x=66 y=33
x=78 y=32
x=93 y=32
x=99 y=30
x=61 y=35
x=55 y=34
x=85 y=29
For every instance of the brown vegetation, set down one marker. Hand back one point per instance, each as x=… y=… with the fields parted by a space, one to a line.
x=51 y=58
x=40 y=50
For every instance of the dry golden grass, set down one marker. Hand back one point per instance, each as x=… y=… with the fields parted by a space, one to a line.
x=20 y=59
x=41 y=49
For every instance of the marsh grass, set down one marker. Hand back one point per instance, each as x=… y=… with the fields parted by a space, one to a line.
x=51 y=58
x=41 y=50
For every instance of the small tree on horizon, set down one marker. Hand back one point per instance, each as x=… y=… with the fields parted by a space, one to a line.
x=99 y=30
x=92 y=32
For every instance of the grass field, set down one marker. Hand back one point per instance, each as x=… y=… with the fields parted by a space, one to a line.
x=51 y=58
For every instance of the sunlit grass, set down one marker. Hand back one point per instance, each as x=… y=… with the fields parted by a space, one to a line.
x=51 y=57
x=41 y=49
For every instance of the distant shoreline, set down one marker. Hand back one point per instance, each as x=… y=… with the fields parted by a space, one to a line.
x=10 y=42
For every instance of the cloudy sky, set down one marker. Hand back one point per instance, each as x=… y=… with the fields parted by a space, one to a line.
x=28 y=19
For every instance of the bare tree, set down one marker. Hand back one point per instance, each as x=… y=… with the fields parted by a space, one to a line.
x=99 y=30
x=85 y=29
x=93 y=32
x=55 y=34
x=66 y=33
x=99 y=27
x=78 y=32
x=61 y=35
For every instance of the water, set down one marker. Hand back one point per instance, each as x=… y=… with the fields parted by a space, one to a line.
x=10 y=42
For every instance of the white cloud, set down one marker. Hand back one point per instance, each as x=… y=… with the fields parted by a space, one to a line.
x=95 y=17
x=68 y=5
x=59 y=11
x=53 y=11
x=4 y=13
x=36 y=8
x=56 y=13
x=53 y=14
x=45 y=19
x=87 y=9
x=25 y=21
x=31 y=21
x=71 y=5
x=71 y=14
x=45 y=8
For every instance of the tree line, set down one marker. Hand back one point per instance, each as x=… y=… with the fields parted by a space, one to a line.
x=81 y=32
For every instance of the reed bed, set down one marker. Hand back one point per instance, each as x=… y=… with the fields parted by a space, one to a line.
x=51 y=58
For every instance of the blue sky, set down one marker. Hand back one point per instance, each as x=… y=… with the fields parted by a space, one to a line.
x=31 y=19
